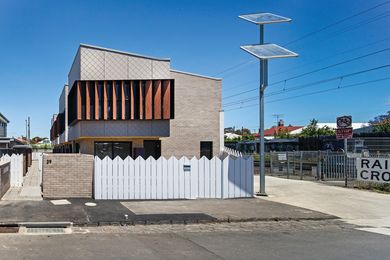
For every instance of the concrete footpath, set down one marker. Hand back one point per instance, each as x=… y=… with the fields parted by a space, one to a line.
x=31 y=189
x=367 y=209
x=152 y=212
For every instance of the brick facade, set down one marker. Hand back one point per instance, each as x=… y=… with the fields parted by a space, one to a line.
x=197 y=116
x=67 y=176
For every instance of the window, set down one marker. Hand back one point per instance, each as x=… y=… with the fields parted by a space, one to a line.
x=101 y=99
x=92 y=99
x=118 y=93
x=72 y=104
x=136 y=99
x=109 y=99
x=127 y=99
x=206 y=149
x=152 y=148
x=113 y=149
x=83 y=98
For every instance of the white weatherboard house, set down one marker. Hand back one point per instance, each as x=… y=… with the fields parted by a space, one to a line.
x=332 y=126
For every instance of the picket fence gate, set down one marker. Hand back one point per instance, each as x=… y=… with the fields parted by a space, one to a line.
x=38 y=156
x=16 y=168
x=173 y=178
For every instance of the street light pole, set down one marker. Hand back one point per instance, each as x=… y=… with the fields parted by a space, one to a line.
x=264 y=52
x=261 y=117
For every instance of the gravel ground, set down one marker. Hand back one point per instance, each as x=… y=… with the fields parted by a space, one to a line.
x=265 y=226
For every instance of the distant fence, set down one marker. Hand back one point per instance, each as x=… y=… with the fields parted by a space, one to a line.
x=16 y=164
x=173 y=178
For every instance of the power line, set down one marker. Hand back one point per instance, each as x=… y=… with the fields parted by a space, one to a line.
x=235 y=66
x=309 y=84
x=315 y=92
x=335 y=23
x=310 y=72
x=352 y=27
x=315 y=61
x=310 y=34
x=327 y=58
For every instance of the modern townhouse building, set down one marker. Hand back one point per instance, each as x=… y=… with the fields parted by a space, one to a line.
x=3 y=125
x=120 y=103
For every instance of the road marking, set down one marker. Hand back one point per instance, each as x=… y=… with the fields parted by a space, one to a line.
x=60 y=202
x=382 y=231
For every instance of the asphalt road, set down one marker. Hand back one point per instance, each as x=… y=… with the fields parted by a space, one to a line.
x=274 y=240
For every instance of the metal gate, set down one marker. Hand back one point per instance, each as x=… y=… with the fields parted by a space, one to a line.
x=337 y=167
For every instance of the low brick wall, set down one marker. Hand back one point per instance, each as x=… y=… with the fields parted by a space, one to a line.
x=4 y=178
x=67 y=176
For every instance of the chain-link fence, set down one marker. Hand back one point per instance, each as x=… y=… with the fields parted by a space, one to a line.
x=313 y=165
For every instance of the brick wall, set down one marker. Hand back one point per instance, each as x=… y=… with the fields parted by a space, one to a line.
x=197 y=116
x=67 y=176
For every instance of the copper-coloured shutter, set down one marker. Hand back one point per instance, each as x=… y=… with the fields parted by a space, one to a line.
x=123 y=100
x=114 y=108
x=96 y=101
x=105 y=105
x=166 y=99
x=148 y=100
x=78 y=93
x=87 y=101
x=157 y=99
x=141 y=101
x=132 y=106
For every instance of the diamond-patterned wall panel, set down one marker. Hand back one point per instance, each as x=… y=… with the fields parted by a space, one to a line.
x=115 y=66
x=96 y=64
x=74 y=73
x=139 y=68
x=161 y=70
x=92 y=64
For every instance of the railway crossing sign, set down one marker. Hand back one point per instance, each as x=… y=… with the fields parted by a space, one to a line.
x=344 y=127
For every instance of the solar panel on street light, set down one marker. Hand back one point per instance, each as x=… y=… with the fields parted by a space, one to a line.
x=268 y=51
x=264 y=18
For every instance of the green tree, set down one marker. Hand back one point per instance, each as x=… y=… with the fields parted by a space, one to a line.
x=243 y=131
x=381 y=123
x=312 y=129
x=382 y=127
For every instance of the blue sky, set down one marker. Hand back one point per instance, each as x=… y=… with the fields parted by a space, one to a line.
x=38 y=41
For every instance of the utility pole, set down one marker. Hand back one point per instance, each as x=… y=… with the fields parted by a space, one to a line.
x=277 y=116
x=264 y=52
x=26 y=129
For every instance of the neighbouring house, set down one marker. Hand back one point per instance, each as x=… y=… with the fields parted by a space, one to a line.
x=126 y=104
x=3 y=125
x=270 y=133
x=355 y=126
x=231 y=136
x=7 y=144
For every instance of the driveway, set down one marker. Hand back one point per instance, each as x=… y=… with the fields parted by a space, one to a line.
x=367 y=209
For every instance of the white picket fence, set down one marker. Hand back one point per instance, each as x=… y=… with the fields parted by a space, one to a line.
x=16 y=168
x=231 y=151
x=173 y=178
